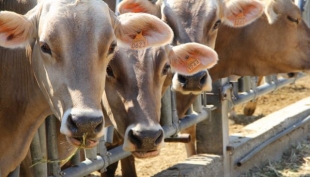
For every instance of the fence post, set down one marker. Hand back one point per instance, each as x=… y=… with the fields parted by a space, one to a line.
x=37 y=157
x=213 y=133
x=52 y=152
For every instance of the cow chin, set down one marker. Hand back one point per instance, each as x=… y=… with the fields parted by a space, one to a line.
x=80 y=143
x=145 y=154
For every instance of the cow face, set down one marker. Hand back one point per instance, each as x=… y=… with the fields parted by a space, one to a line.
x=71 y=43
x=197 y=21
x=278 y=42
x=132 y=98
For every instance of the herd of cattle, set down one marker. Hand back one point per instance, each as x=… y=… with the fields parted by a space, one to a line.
x=92 y=68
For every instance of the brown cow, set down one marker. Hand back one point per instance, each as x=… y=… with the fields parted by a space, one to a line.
x=132 y=98
x=283 y=46
x=70 y=43
x=196 y=21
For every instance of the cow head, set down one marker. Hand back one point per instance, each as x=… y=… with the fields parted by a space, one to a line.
x=70 y=43
x=197 y=21
x=278 y=42
x=132 y=98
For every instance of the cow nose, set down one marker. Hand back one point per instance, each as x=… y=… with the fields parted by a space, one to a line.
x=194 y=82
x=80 y=125
x=146 y=140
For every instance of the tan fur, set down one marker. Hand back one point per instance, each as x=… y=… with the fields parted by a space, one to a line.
x=70 y=77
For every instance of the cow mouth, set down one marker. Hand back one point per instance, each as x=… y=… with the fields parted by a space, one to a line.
x=145 y=154
x=78 y=142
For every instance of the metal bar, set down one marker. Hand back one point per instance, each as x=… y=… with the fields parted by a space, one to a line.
x=91 y=153
x=15 y=173
x=52 y=152
x=216 y=125
x=166 y=111
x=84 y=168
x=42 y=135
x=101 y=148
x=37 y=157
x=264 y=89
x=197 y=104
x=271 y=140
x=88 y=166
x=76 y=158
x=109 y=134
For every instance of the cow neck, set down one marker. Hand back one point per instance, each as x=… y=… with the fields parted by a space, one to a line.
x=22 y=108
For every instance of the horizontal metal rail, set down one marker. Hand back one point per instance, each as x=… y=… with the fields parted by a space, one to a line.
x=263 y=89
x=271 y=140
x=88 y=166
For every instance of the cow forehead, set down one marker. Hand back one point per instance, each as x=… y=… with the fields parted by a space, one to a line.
x=153 y=56
x=193 y=7
x=78 y=18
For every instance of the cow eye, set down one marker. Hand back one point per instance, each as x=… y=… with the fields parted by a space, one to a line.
x=166 y=69
x=112 y=48
x=110 y=71
x=295 y=20
x=217 y=24
x=45 y=48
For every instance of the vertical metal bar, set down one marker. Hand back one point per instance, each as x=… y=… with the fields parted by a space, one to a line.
x=175 y=118
x=76 y=158
x=212 y=134
x=52 y=152
x=108 y=135
x=306 y=12
x=166 y=111
x=101 y=148
x=15 y=173
x=42 y=135
x=91 y=154
x=197 y=104
x=36 y=155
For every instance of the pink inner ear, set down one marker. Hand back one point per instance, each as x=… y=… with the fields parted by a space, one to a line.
x=247 y=14
x=195 y=62
x=132 y=7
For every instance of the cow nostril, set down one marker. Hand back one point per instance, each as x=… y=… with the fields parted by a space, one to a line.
x=182 y=79
x=71 y=124
x=203 y=80
x=134 y=138
x=99 y=127
x=159 y=138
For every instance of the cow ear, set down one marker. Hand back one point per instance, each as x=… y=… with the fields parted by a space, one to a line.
x=15 y=30
x=190 y=58
x=140 y=31
x=238 y=13
x=136 y=6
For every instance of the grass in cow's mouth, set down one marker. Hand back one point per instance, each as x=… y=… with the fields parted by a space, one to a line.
x=82 y=145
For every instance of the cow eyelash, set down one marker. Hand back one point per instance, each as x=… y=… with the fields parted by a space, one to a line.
x=112 y=48
x=166 y=69
x=217 y=24
x=292 y=19
x=110 y=71
x=45 y=48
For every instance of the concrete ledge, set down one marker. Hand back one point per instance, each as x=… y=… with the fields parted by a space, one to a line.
x=201 y=165
x=251 y=136
x=263 y=129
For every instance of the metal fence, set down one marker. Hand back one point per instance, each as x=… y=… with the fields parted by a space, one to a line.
x=215 y=108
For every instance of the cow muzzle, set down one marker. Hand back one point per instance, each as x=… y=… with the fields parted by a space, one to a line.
x=192 y=84
x=144 y=143
x=83 y=129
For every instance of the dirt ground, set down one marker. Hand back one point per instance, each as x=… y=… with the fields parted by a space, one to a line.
x=175 y=152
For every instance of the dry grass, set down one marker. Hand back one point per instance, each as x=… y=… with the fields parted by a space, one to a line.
x=295 y=162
